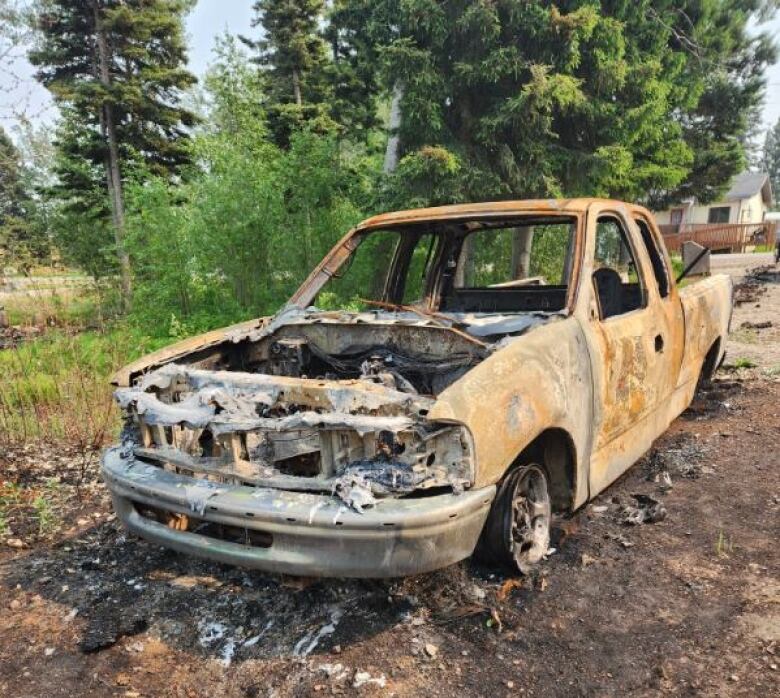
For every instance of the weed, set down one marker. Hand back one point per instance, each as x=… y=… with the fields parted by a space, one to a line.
x=57 y=387
x=45 y=515
x=724 y=545
x=743 y=362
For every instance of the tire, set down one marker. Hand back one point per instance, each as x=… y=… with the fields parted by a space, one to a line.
x=516 y=535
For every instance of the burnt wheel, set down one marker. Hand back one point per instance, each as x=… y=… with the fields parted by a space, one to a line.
x=517 y=532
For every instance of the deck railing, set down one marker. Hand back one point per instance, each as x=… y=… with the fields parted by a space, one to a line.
x=734 y=237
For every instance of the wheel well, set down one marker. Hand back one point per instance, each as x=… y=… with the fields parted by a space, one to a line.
x=554 y=449
x=710 y=364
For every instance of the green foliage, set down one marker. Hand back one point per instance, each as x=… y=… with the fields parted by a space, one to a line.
x=640 y=100
x=23 y=238
x=242 y=232
x=771 y=158
x=430 y=176
x=147 y=77
x=743 y=362
x=291 y=54
x=57 y=387
x=116 y=69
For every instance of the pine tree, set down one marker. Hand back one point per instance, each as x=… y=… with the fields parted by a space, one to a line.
x=771 y=158
x=292 y=56
x=117 y=66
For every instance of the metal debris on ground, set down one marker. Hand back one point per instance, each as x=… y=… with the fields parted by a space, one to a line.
x=507 y=587
x=664 y=481
x=618 y=538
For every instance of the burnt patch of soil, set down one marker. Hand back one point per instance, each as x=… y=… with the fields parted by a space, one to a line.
x=687 y=605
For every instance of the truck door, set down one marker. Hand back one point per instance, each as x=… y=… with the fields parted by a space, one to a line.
x=671 y=324
x=631 y=340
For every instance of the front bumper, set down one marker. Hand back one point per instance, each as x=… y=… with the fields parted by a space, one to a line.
x=309 y=534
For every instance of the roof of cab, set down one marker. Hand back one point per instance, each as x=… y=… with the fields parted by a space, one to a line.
x=489 y=208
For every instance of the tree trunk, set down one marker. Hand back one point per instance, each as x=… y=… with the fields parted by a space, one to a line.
x=522 y=242
x=113 y=173
x=385 y=247
x=393 y=140
x=296 y=81
x=464 y=274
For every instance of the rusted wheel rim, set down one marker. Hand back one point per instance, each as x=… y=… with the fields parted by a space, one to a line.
x=530 y=534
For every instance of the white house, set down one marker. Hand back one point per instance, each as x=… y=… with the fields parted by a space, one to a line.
x=748 y=199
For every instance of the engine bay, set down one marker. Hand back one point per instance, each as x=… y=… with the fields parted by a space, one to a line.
x=310 y=407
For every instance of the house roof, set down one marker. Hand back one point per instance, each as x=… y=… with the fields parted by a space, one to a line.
x=748 y=184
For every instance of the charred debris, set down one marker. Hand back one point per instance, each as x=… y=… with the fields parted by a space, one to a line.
x=314 y=401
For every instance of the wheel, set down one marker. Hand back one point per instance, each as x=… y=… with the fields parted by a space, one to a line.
x=517 y=531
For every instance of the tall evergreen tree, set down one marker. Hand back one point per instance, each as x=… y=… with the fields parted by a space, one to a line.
x=353 y=70
x=293 y=60
x=11 y=191
x=771 y=158
x=23 y=234
x=638 y=100
x=117 y=67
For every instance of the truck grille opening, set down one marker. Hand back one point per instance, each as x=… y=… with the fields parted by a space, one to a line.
x=210 y=529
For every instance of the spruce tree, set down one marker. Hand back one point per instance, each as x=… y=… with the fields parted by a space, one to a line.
x=641 y=100
x=292 y=58
x=771 y=158
x=117 y=67
x=23 y=234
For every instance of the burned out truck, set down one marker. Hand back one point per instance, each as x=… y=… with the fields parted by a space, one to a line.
x=444 y=382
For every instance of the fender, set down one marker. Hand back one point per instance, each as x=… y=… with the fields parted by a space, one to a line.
x=535 y=382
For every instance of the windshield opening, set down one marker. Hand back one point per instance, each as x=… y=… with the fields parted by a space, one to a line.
x=472 y=266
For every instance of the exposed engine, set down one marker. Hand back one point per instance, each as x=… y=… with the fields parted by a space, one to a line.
x=308 y=418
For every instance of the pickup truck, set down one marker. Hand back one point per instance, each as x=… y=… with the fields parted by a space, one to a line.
x=444 y=382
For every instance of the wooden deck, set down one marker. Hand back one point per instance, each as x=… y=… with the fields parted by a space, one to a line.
x=721 y=237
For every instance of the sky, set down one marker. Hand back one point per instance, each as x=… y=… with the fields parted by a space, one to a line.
x=20 y=93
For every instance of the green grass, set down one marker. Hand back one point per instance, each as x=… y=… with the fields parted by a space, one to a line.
x=77 y=307
x=44 y=508
x=677 y=265
x=57 y=386
x=743 y=362
x=31 y=508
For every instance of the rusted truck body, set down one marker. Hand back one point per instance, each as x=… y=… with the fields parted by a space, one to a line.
x=515 y=359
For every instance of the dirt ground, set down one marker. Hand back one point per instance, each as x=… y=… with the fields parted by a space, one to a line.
x=689 y=605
